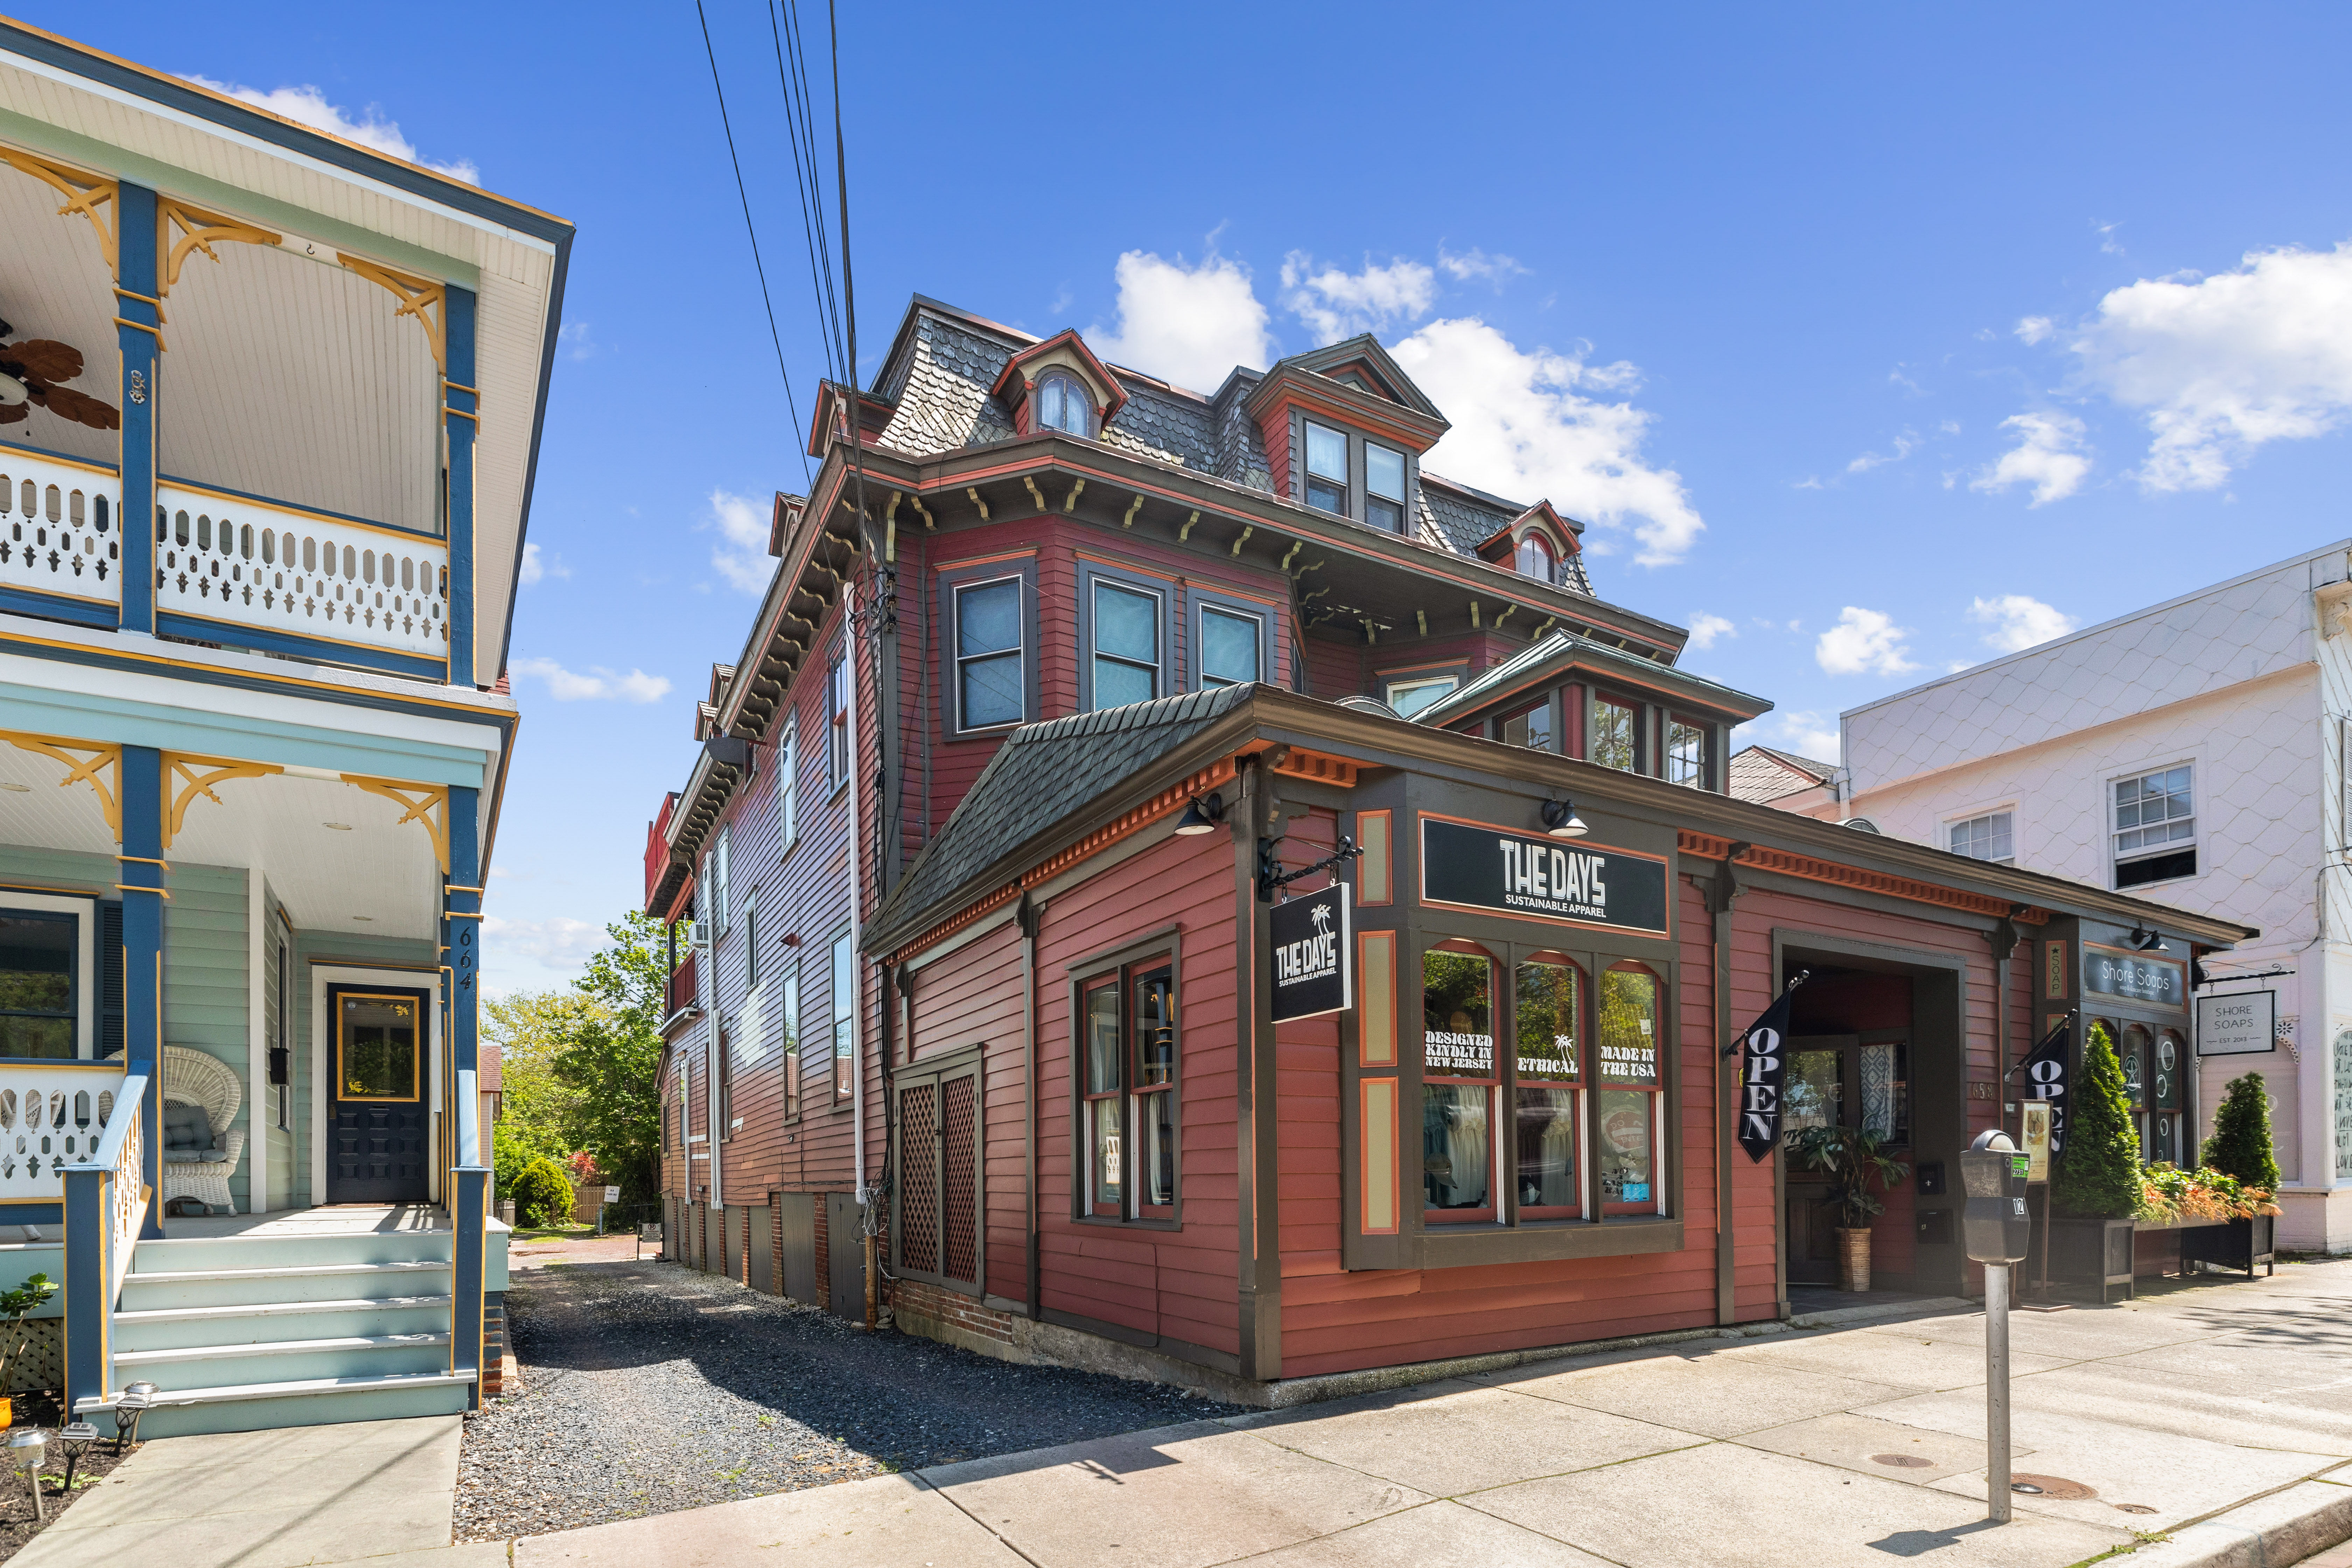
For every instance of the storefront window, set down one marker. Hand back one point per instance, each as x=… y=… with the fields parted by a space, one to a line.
x=1546 y=1103
x=2164 y=1097
x=2134 y=1048
x=1457 y=1154
x=1128 y=1110
x=1105 y=1163
x=1155 y=1083
x=1629 y=1099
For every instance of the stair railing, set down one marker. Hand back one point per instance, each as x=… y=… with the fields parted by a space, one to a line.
x=106 y=1197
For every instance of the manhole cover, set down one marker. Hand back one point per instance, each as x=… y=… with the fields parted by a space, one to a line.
x=2134 y=1508
x=1903 y=1461
x=2055 y=1487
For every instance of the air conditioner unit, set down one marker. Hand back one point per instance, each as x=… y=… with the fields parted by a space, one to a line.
x=694 y=936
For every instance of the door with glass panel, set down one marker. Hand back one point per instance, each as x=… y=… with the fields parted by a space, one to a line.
x=379 y=1111
x=1836 y=1081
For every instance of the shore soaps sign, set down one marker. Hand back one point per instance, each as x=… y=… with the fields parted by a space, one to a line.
x=1473 y=866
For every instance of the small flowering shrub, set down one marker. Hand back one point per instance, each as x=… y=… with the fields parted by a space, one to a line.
x=2170 y=1194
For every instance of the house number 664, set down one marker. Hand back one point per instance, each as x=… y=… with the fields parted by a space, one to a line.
x=138 y=386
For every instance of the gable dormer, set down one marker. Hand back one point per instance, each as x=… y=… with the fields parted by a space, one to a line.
x=1536 y=543
x=1058 y=384
x=1344 y=430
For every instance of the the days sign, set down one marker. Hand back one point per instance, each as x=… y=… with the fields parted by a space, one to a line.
x=1314 y=955
x=2159 y=981
x=2242 y=1024
x=612 y=1195
x=1470 y=865
x=2035 y=1128
x=1762 y=1070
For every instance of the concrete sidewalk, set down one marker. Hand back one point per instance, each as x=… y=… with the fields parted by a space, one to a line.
x=2207 y=1426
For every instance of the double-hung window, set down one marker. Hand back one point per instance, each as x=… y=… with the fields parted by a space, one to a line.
x=726 y=1084
x=792 y=1011
x=788 y=781
x=1064 y=403
x=715 y=866
x=1123 y=662
x=1985 y=837
x=844 y=1016
x=1128 y=1110
x=836 y=721
x=2154 y=828
x=1685 y=753
x=990 y=681
x=1616 y=735
x=1410 y=695
x=751 y=940
x=1327 y=468
x=1231 y=645
x=1384 y=487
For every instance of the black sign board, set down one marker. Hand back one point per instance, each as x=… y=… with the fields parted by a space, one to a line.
x=1314 y=955
x=1761 y=1071
x=1470 y=865
x=2045 y=1079
x=2159 y=981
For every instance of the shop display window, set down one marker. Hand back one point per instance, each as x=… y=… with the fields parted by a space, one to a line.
x=1459 y=1084
x=1127 y=1111
x=1629 y=1120
x=1548 y=1102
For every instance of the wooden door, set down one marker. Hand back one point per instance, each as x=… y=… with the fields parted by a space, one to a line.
x=379 y=1115
x=1815 y=1096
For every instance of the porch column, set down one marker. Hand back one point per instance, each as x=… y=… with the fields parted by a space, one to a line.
x=90 y=1282
x=142 y=876
x=461 y=419
x=138 y=305
x=468 y=1186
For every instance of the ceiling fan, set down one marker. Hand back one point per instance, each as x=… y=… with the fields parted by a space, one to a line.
x=30 y=375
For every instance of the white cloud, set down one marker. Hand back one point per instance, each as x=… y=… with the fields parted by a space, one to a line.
x=1336 y=304
x=742 y=555
x=309 y=106
x=2223 y=364
x=1905 y=445
x=562 y=943
x=2108 y=243
x=596 y=684
x=2048 y=456
x=2018 y=622
x=1476 y=263
x=1706 y=630
x=1863 y=642
x=537 y=564
x=575 y=339
x=1524 y=426
x=1191 y=325
x=2034 y=328
x=1807 y=734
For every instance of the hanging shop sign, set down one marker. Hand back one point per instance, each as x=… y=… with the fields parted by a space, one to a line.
x=1760 y=1075
x=2242 y=1024
x=2159 y=981
x=2045 y=1071
x=1314 y=955
x=1475 y=866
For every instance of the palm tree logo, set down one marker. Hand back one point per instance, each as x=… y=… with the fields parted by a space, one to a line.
x=1321 y=916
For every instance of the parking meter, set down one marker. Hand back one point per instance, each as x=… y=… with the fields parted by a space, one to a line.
x=1994 y=1224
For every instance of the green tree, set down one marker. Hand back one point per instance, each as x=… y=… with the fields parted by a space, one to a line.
x=542 y=1195
x=2099 y=1175
x=2241 y=1145
x=612 y=1066
x=530 y=1027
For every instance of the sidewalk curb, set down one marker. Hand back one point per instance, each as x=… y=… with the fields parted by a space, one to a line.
x=2272 y=1531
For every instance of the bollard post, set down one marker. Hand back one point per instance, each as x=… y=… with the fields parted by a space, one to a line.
x=1996 y=1389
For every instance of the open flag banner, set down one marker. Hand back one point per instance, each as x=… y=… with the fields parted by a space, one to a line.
x=2045 y=1079
x=1761 y=1068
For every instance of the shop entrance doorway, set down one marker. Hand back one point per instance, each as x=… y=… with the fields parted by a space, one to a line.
x=1838 y=1081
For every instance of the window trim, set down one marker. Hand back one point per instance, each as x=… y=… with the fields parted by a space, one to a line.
x=86 y=974
x=2194 y=844
x=838 y=763
x=1708 y=770
x=1594 y=698
x=843 y=1083
x=1163 y=591
x=947 y=578
x=1963 y=819
x=1126 y=962
x=1036 y=396
x=1198 y=602
x=788 y=781
x=956 y=657
x=1359 y=509
x=788 y=1003
x=751 y=942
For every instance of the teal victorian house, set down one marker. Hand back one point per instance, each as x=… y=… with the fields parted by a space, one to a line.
x=270 y=413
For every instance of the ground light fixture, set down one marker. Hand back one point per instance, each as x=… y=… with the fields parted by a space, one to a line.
x=27 y=1445
x=136 y=1398
x=1200 y=815
x=76 y=1438
x=1559 y=819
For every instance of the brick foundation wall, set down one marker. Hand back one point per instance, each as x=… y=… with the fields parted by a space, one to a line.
x=952 y=1310
x=493 y=1345
x=823 y=1257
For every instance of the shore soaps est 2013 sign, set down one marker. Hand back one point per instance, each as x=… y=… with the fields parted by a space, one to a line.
x=1473 y=865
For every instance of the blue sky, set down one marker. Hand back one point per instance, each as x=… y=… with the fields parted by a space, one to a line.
x=1874 y=341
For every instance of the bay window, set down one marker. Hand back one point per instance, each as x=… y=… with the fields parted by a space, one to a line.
x=1458 y=1084
x=1548 y=1103
x=1384 y=487
x=1231 y=644
x=1124 y=653
x=1630 y=1118
x=1532 y=727
x=1127 y=1093
x=990 y=684
x=1327 y=468
x=1685 y=753
x=1616 y=735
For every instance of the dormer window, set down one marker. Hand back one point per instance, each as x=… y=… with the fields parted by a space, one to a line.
x=1064 y=405
x=1327 y=468
x=1535 y=559
x=1384 y=487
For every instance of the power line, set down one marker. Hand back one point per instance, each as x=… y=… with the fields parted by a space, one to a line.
x=808 y=185
x=744 y=197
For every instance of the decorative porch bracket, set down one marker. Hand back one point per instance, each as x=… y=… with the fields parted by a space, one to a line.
x=186 y=777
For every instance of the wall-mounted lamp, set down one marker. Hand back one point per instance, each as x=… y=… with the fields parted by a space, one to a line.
x=2148 y=940
x=1559 y=819
x=1201 y=816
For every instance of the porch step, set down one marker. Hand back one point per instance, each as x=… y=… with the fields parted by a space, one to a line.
x=263 y=1322
x=299 y=1401
x=160 y=1289
x=207 y=1254
x=188 y=1367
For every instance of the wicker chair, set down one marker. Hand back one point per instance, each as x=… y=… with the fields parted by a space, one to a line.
x=192 y=1077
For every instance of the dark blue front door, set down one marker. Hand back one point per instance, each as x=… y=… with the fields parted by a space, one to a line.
x=380 y=1127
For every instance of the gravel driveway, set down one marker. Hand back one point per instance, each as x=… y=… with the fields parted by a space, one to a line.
x=648 y=1387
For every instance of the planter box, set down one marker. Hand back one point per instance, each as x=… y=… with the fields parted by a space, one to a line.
x=2233 y=1244
x=2092 y=1255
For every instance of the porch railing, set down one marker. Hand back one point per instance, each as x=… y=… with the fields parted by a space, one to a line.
x=52 y=1115
x=276 y=568
x=127 y=1200
x=106 y=1200
x=682 y=992
x=60 y=526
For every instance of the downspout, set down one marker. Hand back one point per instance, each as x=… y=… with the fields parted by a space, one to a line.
x=856 y=934
x=1721 y=893
x=1030 y=915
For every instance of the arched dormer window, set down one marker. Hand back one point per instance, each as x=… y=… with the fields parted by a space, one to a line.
x=1534 y=559
x=1064 y=403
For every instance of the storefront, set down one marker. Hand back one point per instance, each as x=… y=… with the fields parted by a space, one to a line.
x=1506 y=1123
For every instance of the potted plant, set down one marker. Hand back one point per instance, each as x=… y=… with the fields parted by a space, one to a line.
x=17 y=1334
x=2096 y=1190
x=1854 y=1160
x=2241 y=1172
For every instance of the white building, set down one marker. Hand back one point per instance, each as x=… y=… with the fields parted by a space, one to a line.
x=2194 y=754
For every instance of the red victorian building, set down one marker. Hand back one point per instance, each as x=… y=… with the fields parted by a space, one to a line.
x=979 y=883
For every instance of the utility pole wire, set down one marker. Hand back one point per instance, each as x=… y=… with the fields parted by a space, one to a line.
x=774 y=337
x=808 y=185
